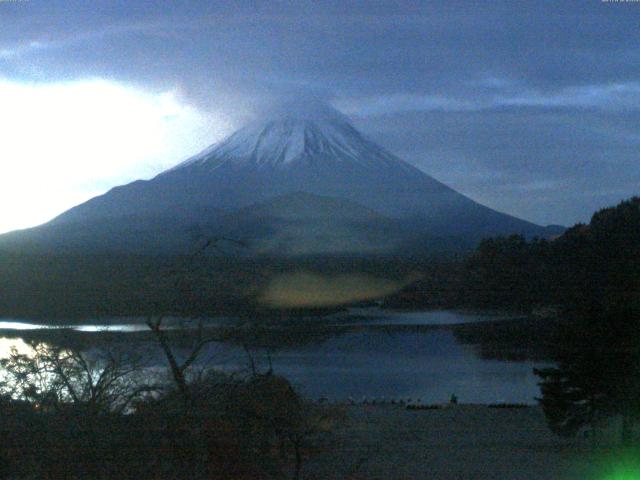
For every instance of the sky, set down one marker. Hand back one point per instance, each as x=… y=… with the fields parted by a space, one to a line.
x=529 y=107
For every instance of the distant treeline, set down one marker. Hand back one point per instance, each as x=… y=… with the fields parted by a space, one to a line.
x=596 y=262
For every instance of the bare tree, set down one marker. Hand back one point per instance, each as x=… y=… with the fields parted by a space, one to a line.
x=180 y=368
x=184 y=283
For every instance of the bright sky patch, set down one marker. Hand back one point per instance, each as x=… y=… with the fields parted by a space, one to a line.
x=63 y=143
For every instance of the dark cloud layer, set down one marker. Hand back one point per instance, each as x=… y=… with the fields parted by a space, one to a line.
x=531 y=107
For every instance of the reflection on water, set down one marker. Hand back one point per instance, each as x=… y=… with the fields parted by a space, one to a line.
x=17 y=325
x=131 y=327
x=364 y=316
x=396 y=363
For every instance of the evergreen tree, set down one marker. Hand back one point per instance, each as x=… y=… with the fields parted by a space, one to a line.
x=598 y=348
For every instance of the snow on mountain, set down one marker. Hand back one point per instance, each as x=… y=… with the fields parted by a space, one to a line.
x=293 y=132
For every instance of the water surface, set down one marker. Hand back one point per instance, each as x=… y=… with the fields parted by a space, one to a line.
x=393 y=364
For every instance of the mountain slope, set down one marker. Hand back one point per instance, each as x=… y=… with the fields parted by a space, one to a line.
x=300 y=148
x=302 y=223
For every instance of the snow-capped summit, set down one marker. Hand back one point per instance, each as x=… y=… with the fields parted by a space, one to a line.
x=292 y=132
x=300 y=178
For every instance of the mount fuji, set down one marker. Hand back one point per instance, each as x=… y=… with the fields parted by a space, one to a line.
x=299 y=180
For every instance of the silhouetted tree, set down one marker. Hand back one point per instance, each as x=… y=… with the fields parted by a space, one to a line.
x=52 y=377
x=598 y=347
x=597 y=374
x=179 y=368
x=508 y=272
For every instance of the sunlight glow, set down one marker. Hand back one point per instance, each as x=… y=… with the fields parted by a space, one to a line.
x=63 y=143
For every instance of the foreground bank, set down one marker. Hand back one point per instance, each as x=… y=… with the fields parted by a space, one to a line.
x=460 y=442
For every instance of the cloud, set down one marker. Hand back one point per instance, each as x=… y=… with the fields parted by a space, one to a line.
x=18 y=50
x=40 y=44
x=608 y=97
x=613 y=96
x=401 y=103
x=65 y=142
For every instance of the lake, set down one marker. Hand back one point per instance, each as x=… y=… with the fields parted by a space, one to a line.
x=368 y=362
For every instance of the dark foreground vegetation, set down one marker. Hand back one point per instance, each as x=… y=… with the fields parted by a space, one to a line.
x=106 y=413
